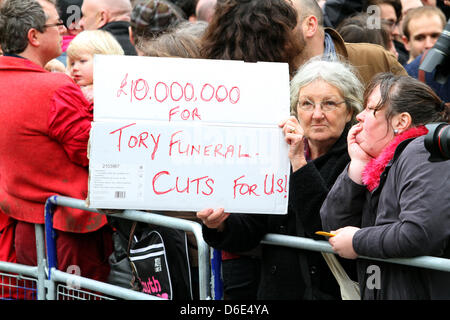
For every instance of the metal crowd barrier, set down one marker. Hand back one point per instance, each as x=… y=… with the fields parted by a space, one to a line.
x=427 y=262
x=47 y=282
x=18 y=281
x=146 y=217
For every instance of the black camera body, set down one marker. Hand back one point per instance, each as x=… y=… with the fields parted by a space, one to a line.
x=439 y=57
x=437 y=141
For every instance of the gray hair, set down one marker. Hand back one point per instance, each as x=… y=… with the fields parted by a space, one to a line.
x=341 y=75
x=17 y=17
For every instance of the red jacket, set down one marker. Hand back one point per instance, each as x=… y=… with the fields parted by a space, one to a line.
x=44 y=129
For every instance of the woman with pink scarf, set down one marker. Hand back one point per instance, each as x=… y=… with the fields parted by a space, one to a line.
x=391 y=201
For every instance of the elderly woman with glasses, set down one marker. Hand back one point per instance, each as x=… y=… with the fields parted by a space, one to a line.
x=325 y=97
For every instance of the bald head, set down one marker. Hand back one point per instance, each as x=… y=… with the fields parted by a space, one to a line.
x=307 y=8
x=115 y=5
x=97 y=13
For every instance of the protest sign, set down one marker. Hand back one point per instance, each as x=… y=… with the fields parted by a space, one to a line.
x=187 y=134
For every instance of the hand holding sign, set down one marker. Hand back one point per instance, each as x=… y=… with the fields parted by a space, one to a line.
x=213 y=219
x=176 y=136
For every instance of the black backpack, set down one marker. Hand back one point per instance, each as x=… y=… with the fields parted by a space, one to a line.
x=153 y=260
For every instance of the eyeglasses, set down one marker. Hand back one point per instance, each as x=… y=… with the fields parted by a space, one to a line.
x=325 y=106
x=58 y=24
x=390 y=23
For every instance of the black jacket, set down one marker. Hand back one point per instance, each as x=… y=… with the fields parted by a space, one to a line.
x=288 y=273
x=407 y=215
x=119 y=29
x=335 y=11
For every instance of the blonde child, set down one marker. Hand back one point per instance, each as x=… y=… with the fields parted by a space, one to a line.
x=80 y=56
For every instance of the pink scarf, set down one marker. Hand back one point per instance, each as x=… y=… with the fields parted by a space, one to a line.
x=375 y=167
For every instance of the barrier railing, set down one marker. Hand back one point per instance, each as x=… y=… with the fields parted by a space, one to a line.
x=146 y=217
x=428 y=262
x=26 y=281
x=46 y=275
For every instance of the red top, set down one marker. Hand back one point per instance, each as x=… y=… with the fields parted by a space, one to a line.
x=44 y=130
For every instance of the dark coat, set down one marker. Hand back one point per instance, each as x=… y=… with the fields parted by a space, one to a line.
x=335 y=11
x=407 y=215
x=119 y=29
x=288 y=273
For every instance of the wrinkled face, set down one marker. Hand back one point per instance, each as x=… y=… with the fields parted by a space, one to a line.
x=376 y=132
x=81 y=69
x=320 y=124
x=423 y=34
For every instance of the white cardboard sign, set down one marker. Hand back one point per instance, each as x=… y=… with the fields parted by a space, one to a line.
x=188 y=134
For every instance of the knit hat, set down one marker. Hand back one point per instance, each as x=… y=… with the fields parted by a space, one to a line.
x=152 y=17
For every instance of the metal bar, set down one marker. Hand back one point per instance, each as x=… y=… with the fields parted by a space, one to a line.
x=30 y=271
x=98 y=286
x=50 y=233
x=428 y=262
x=162 y=220
x=41 y=262
x=216 y=265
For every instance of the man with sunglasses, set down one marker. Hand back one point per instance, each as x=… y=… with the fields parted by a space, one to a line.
x=44 y=129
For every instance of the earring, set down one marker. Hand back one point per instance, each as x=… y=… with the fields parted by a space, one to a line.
x=395 y=132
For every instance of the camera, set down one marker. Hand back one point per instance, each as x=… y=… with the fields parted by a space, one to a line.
x=439 y=57
x=437 y=141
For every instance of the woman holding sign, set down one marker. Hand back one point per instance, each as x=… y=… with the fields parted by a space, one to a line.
x=325 y=98
x=251 y=31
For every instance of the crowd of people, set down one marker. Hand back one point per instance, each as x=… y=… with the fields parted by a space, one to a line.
x=359 y=106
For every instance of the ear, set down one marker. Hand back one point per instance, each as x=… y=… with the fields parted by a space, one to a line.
x=349 y=116
x=102 y=18
x=406 y=43
x=310 y=26
x=402 y=122
x=34 y=37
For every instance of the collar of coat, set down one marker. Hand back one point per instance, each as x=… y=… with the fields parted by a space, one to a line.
x=339 y=43
x=375 y=167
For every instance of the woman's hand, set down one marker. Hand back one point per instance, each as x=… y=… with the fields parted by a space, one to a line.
x=355 y=152
x=213 y=219
x=359 y=158
x=293 y=134
x=342 y=242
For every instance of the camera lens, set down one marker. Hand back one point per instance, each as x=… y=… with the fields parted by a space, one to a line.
x=437 y=141
x=438 y=58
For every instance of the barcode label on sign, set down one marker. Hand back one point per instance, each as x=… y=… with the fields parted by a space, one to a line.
x=120 y=194
x=112 y=185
